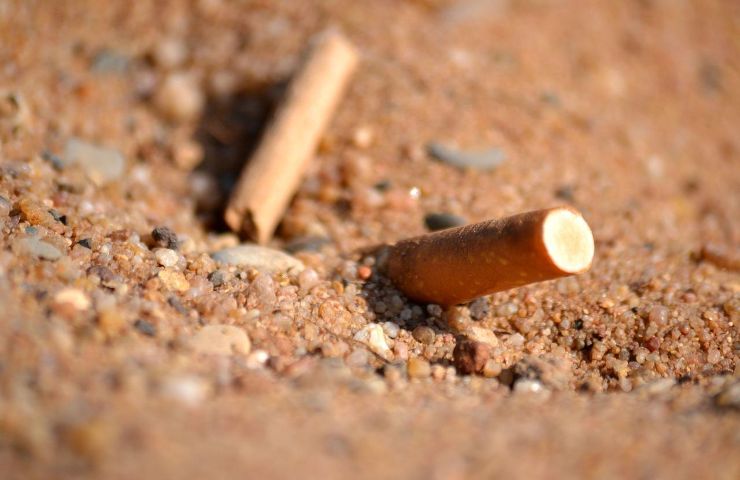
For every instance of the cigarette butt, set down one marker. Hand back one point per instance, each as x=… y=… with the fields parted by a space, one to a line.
x=457 y=265
x=274 y=172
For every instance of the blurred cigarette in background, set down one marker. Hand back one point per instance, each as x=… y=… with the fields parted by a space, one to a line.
x=274 y=172
x=454 y=266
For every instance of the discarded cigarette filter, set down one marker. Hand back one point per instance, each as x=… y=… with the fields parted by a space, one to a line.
x=454 y=266
x=274 y=172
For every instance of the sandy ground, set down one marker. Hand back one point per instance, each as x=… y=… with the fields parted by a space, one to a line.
x=123 y=126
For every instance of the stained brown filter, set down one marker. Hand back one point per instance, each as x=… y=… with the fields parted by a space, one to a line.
x=460 y=264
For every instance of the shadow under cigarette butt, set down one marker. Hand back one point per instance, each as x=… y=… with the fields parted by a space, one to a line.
x=229 y=131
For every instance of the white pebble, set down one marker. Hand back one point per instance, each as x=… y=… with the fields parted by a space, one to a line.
x=166 y=257
x=372 y=335
x=257 y=359
x=73 y=297
x=186 y=389
x=180 y=97
x=391 y=329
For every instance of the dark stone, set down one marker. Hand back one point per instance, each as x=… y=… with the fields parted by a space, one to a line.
x=177 y=305
x=85 y=242
x=217 y=278
x=104 y=273
x=165 y=238
x=55 y=160
x=566 y=193
x=145 y=328
x=441 y=221
x=58 y=216
x=383 y=185
x=471 y=356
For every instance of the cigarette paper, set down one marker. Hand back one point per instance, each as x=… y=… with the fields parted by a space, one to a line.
x=274 y=172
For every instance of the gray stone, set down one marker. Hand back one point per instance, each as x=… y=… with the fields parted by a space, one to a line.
x=37 y=248
x=261 y=258
x=102 y=165
x=481 y=160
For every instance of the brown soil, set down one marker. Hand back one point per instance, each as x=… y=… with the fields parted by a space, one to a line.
x=628 y=111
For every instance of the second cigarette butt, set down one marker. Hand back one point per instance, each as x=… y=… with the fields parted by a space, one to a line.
x=454 y=266
x=274 y=172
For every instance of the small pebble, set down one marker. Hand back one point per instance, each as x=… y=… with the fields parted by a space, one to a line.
x=358 y=358
x=524 y=385
x=492 y=369
x=308 y=279
x=165 y=238
x=34 y=213
x=186 y=389
x=442 y=221
x=481 y=334
x=363 y=137
x=72 y=297
x=261 y=258
x=187 y=154
x=257 y=359
x=261 y=293
x=102 y=165
x=111 y=322
x=471 y=356
x=166 y=257
x=37 y=248
x=391 y=329
x=506 y=309
x=658 y=315
x=418 y=368
x=170 y=53
x=479 y=308
x=424 y=334
x=713 y=356
x=145 y=328
x=364 y=272
x=221 y=340
x=484 y=160
x=179 y=97
x=372 y=335
x=173 y=280
x=109 y=61
x=218 y=277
